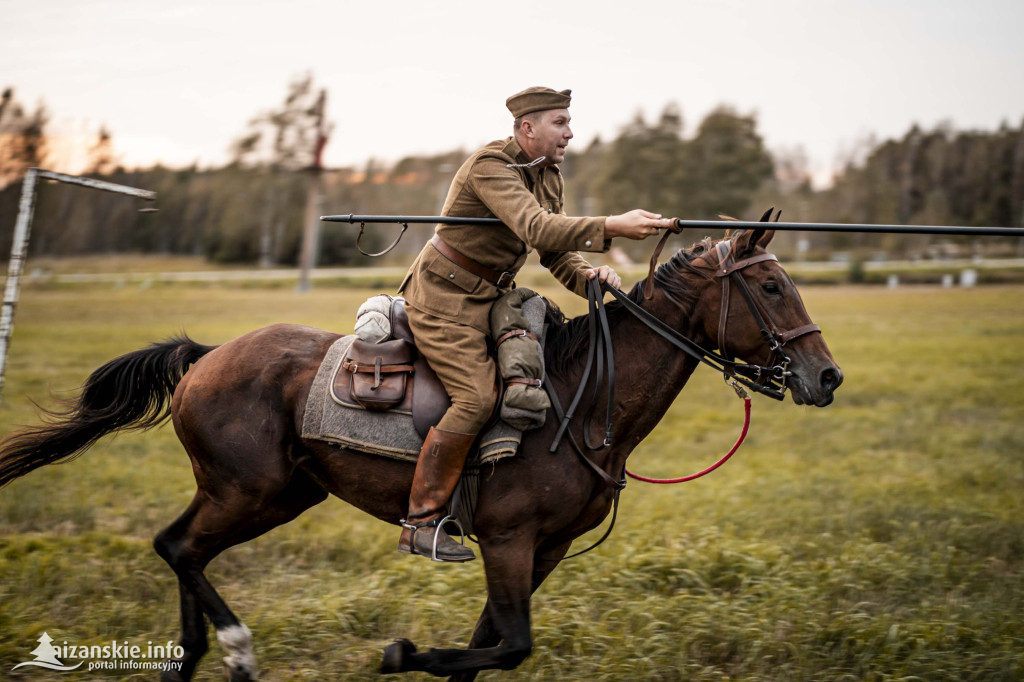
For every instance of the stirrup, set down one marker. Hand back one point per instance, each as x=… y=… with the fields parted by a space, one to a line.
x=435 y=523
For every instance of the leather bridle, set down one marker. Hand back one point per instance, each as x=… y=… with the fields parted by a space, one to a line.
x=769 y=379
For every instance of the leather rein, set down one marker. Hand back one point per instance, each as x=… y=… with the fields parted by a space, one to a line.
x=770 y=379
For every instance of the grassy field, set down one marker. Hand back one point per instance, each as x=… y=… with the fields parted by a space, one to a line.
x=881 y=538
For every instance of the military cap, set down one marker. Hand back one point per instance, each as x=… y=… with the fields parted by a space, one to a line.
x=537 y=99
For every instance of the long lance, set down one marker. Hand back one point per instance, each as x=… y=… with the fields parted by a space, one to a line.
x=711 y=225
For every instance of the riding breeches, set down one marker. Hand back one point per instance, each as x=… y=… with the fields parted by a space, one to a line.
x=458 y=355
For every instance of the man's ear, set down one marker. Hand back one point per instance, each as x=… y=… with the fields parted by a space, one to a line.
x=526 y=128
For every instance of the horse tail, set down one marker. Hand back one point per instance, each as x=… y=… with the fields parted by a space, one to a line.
x=130 y=392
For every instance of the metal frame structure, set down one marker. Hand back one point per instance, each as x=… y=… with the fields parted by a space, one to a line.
x=19 y=247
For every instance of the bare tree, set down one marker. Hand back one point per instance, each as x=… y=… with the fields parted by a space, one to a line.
x=102 y=160
x=22 y=137
x=287 y=139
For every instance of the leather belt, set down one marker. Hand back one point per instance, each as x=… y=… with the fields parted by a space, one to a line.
x=496 y=277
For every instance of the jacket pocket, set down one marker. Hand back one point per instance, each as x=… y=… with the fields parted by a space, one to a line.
x=449 y=272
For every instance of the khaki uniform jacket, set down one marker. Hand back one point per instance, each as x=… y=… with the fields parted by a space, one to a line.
x=529 y=201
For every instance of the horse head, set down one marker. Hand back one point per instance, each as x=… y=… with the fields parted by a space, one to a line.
x=735 y=296
x=756 y=313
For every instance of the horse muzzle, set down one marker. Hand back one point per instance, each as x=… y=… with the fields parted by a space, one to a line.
x=816 y=387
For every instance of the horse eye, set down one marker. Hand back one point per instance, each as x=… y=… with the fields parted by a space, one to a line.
x=771 y=288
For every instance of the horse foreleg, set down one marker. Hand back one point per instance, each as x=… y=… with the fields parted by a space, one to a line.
x=508 y=567
x=486 y=634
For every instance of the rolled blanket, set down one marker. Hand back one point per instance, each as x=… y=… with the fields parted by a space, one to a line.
x=521 y=360
x=373 y=319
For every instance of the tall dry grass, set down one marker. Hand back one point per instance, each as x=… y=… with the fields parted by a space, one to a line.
x=880 y=538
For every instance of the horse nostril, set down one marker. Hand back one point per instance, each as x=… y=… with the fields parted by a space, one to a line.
x=831 y=378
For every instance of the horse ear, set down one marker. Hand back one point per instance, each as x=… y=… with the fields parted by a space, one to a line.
x=728 y=232
x=768 y=235
x=746 y=242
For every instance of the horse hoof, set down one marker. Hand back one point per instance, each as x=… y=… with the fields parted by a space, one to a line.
x=394 y=656
x=238 y=673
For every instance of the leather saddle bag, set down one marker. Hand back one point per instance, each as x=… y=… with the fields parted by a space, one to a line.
x=379 y=372
x=416 y=391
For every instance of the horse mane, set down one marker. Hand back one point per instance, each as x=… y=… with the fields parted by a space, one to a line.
x=567 y=340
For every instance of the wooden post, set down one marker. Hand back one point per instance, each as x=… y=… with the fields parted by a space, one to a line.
x=310 y=229
x=314 y=199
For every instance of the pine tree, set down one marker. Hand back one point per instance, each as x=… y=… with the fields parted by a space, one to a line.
x=46 y=652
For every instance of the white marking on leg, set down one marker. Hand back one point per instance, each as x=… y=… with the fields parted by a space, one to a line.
x=237 y=643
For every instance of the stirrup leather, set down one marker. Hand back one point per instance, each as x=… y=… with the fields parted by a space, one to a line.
x=435 y=523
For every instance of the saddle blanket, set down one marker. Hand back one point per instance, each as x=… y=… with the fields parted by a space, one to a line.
x=390 y=434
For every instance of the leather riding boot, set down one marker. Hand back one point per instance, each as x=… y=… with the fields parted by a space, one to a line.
x=437 y=472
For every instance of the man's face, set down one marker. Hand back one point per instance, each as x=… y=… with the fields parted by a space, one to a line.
x=551 y=134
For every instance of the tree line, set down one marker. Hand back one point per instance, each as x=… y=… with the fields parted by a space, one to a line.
x=929 y=177
x=251 y=209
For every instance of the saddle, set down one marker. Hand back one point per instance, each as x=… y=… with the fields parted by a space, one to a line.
x=391 y=375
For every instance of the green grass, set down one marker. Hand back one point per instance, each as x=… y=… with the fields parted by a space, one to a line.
x=121 y=262
x=881 y=538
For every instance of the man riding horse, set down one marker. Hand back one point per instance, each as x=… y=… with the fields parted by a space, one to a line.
x=458 y=275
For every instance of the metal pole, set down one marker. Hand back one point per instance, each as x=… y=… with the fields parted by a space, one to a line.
x=19 y=247
x=97 y=184
x=844 y=227
x=447 y=220
x=717 y=225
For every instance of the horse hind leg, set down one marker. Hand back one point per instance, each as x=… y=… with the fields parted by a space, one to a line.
x=188 y=545
x=193 y=638
x=203 y=531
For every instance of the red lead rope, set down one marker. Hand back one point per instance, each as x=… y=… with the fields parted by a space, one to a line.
x=739 y=442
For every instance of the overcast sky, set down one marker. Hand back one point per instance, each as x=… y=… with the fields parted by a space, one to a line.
x=177 y=81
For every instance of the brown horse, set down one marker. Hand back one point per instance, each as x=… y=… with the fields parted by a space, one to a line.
x=238 y=411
